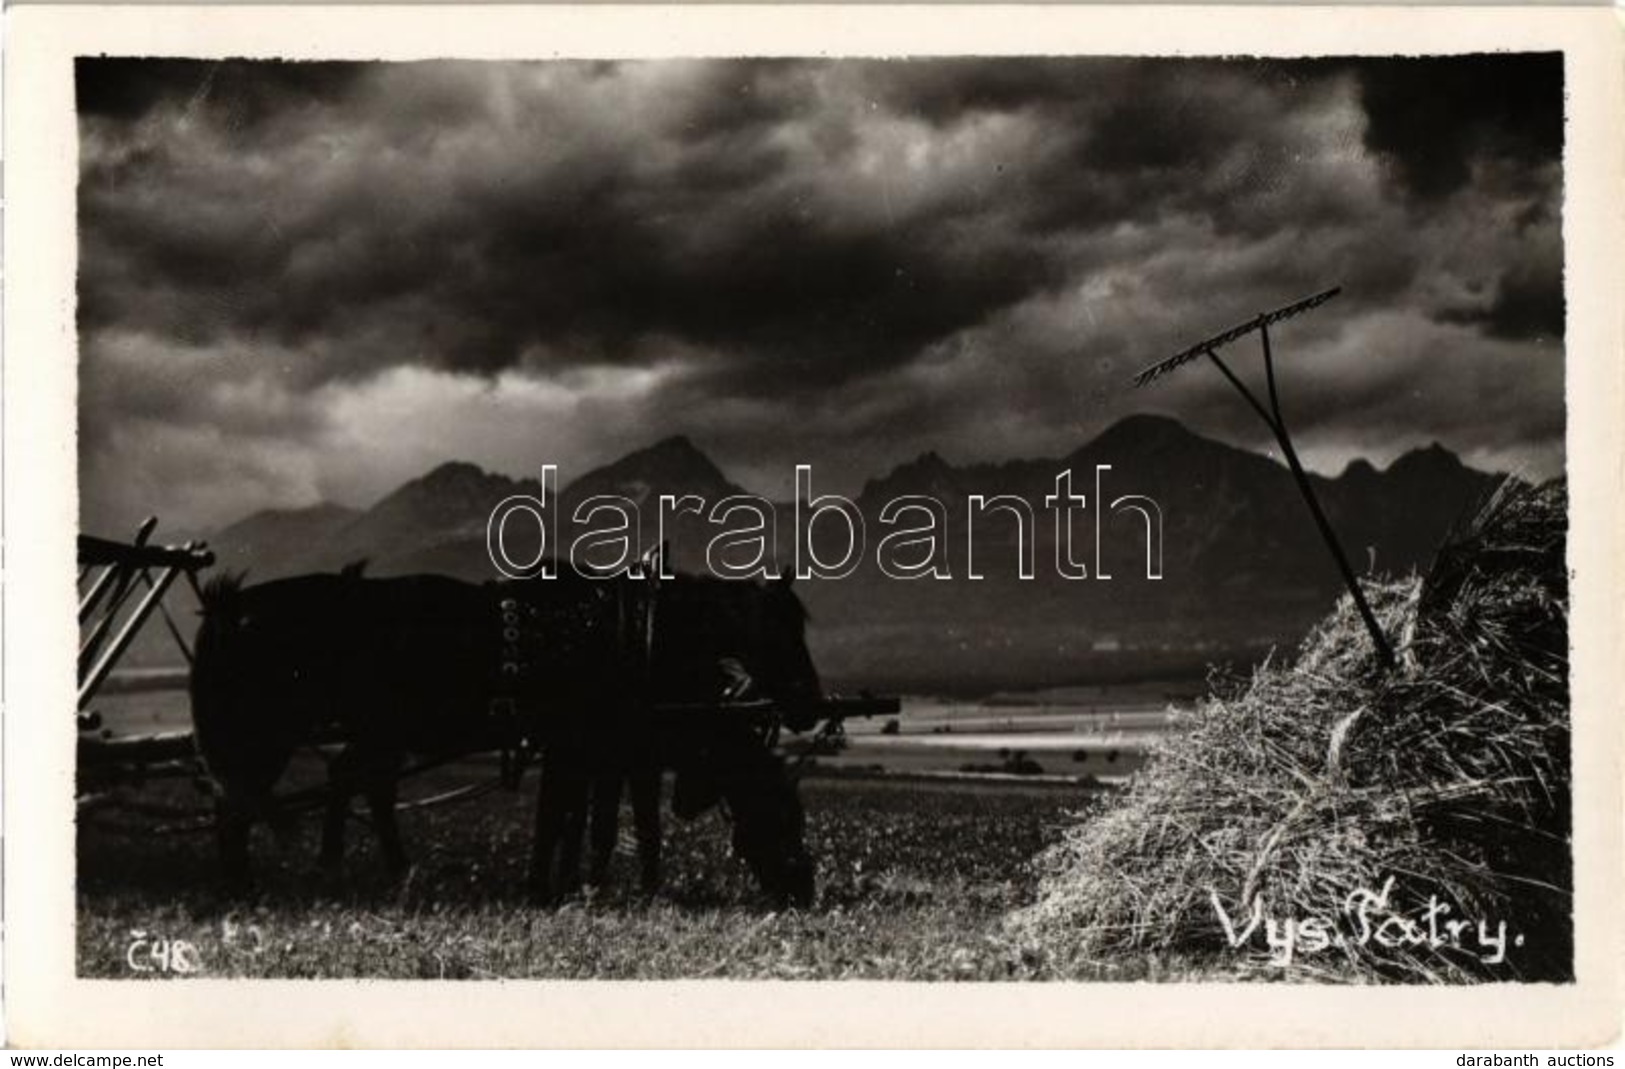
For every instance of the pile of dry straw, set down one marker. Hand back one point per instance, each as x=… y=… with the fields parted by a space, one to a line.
x=1299 y=795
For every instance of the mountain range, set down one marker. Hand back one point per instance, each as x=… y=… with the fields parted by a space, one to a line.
x=1243 y=568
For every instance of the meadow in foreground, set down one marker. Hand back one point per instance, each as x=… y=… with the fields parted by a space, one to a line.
x=915 y=880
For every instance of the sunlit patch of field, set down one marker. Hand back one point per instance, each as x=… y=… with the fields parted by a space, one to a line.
x=914 y=882
x=1098 y=734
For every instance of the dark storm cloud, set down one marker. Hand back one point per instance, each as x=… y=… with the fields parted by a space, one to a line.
x=1526 y=303
x=599 y=250
x=1122 y=140
x=1434 y=120
x=802 y=300
x=242 y=92
x=284 y=259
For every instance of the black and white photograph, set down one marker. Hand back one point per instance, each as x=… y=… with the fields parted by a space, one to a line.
x=1041 y=518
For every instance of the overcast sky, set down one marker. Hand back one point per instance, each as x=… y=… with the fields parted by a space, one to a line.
x=305 y=282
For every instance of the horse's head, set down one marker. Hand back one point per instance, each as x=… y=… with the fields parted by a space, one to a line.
x=740 y=640
x=257 y=651
x=769 y=825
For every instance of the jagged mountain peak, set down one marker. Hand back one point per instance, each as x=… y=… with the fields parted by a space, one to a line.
x=460 y=479
x=672 y=465
x=1430 y=459
x=929 y=462
x=927 y=473
x=320 y=511
x=676 y=455
x=1359 y=468
x=452 y=470
x=1143 y=433
x=671 y=445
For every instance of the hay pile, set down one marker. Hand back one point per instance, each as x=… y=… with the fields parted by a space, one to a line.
x=1301 y=793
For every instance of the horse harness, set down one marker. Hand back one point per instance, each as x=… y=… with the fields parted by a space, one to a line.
x=551 y=634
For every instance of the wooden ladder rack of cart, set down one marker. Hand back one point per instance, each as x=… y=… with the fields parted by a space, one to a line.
x=122 y=585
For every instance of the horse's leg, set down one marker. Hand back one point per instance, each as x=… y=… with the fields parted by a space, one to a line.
x=645 y=777
x=606 y=821
x=232 y=821
x=342 y=777
x=575 y=788
x=550 y=818
x=538 y=880
x=383 y=780
x=246 y=797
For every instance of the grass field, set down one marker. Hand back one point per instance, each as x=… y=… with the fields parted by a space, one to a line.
x=915 y=879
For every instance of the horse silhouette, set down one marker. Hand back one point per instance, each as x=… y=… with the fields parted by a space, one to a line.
x=717 y=640
x=435 y=668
